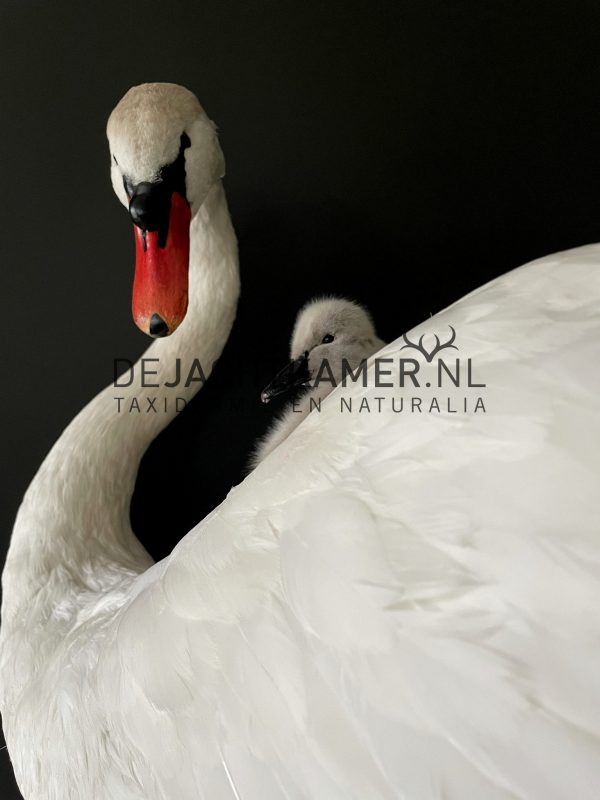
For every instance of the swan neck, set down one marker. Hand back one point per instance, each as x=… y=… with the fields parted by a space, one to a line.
x=72 y=531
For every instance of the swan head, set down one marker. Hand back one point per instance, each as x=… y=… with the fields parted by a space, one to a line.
x=165 y=158
x=330 y=335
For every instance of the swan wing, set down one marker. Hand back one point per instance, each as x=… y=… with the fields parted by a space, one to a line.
x=394 y=604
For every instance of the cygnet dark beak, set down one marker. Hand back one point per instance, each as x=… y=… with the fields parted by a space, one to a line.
x=291 y=376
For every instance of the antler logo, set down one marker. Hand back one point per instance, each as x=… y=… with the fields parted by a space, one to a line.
x=438 y=345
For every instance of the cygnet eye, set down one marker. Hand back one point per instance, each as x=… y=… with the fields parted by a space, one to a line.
x=328 y=338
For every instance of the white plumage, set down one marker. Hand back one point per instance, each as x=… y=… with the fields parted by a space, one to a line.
x=392 y=605
x=332 y=339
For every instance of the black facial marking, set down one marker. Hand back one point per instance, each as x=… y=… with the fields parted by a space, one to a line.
x=150 y=202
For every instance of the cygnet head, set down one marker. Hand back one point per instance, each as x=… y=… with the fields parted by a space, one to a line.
x=165 y=158
x=330 y=329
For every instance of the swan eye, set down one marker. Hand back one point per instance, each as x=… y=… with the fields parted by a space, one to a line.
x=327 y=338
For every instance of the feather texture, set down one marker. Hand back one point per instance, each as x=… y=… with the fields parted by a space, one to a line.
x=392 y=605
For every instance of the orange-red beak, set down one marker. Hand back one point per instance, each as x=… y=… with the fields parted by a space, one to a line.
x=160 y=286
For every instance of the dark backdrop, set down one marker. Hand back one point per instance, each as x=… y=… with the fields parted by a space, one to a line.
x=399 y=152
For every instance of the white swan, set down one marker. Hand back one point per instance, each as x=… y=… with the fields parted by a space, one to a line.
x=392 y=605
x=73 y=556
x=332 y=337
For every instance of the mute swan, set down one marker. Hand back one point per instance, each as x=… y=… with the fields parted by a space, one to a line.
x=330 y=335
x=392 y=605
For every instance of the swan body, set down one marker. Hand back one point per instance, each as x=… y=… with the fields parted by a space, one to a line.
x=391 y=605
x=330 y=335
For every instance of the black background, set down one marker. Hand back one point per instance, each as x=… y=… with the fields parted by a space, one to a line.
x=401 y=153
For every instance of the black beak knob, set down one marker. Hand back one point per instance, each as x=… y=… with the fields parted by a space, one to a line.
x=158 y=327
x=147 y=206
